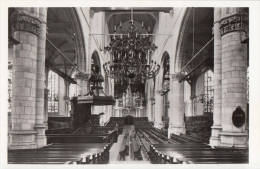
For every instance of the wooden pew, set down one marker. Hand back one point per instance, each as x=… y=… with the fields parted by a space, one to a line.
x=59 y=153
x=109 y=137
x=69 y=138
x=148 y=137
x=158 y=139
x=198 y=153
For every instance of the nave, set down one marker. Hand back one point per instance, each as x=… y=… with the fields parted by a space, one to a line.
x=136 y=143
x=101 y=85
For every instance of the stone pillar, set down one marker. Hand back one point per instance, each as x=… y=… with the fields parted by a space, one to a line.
x=148 y=109
x=67 y=98
x=176 y=108
x=153 y=112
x=158 y=111
x=216 y=128
x=61 y=96
x=40 y=81
x=46 y=92
x=148 y=105
x=234 y=77
x=24 y=106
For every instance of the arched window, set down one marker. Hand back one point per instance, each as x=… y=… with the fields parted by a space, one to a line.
x=53 y=87
x=208 y=92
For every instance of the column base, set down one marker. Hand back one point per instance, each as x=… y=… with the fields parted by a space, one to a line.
x=215 y=138
x=41 y=139
x=176 y=130
x=22 y=139
x=233 y=139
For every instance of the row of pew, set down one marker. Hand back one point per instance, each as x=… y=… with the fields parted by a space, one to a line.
x=109 y=137
x=185 y=149
x=65 y=146
x=62 y=153
x=195 y=153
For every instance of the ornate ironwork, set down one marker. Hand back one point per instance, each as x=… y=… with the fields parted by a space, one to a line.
x=130 y=52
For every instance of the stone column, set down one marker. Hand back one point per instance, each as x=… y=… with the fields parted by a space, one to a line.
x=148 y=105
x=27 y=29
x=61 y=94
x=216 y=128
x=176 y=108
x=40 y=81
x=153 y=110
x=234 y=77
x=158 y=110
x=67 y=98
x=148 y=109
x=46 y=92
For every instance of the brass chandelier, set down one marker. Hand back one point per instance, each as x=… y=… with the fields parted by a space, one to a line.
x=130 y=51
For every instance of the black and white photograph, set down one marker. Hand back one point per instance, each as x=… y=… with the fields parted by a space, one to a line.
x=128 y=85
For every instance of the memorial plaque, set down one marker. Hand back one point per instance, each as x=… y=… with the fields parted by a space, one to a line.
x=238 y=117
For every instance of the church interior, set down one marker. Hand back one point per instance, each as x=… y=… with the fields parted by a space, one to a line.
x=145 y=85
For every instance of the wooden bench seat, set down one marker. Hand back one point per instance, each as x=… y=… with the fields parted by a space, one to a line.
x=182 y=145
x=65 y=138
x=157 y=138
x=186 y=149
x=60 y=153
x=180 y=139
x=198 y=153
x=159 y=134
x=152 y=140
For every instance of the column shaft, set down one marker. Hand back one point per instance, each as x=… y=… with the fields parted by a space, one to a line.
x=158 y=111
x=40 y=126
x=22 y=135
x=215 y=139
x=234 y=79
x=176 y=107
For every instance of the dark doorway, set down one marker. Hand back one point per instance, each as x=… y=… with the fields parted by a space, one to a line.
x=129 y=120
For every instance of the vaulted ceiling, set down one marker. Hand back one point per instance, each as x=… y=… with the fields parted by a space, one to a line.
x=197 y=33
x=61 y=43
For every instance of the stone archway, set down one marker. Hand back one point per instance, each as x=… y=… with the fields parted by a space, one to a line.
x=195 y=33
x=66 y=57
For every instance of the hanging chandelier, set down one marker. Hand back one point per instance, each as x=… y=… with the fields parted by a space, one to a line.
x=130 y=51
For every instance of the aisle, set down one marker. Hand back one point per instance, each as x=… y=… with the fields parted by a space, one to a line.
x=114 y=151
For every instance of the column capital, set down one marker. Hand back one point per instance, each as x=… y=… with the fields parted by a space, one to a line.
x=234 y=22
x=24 y=22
